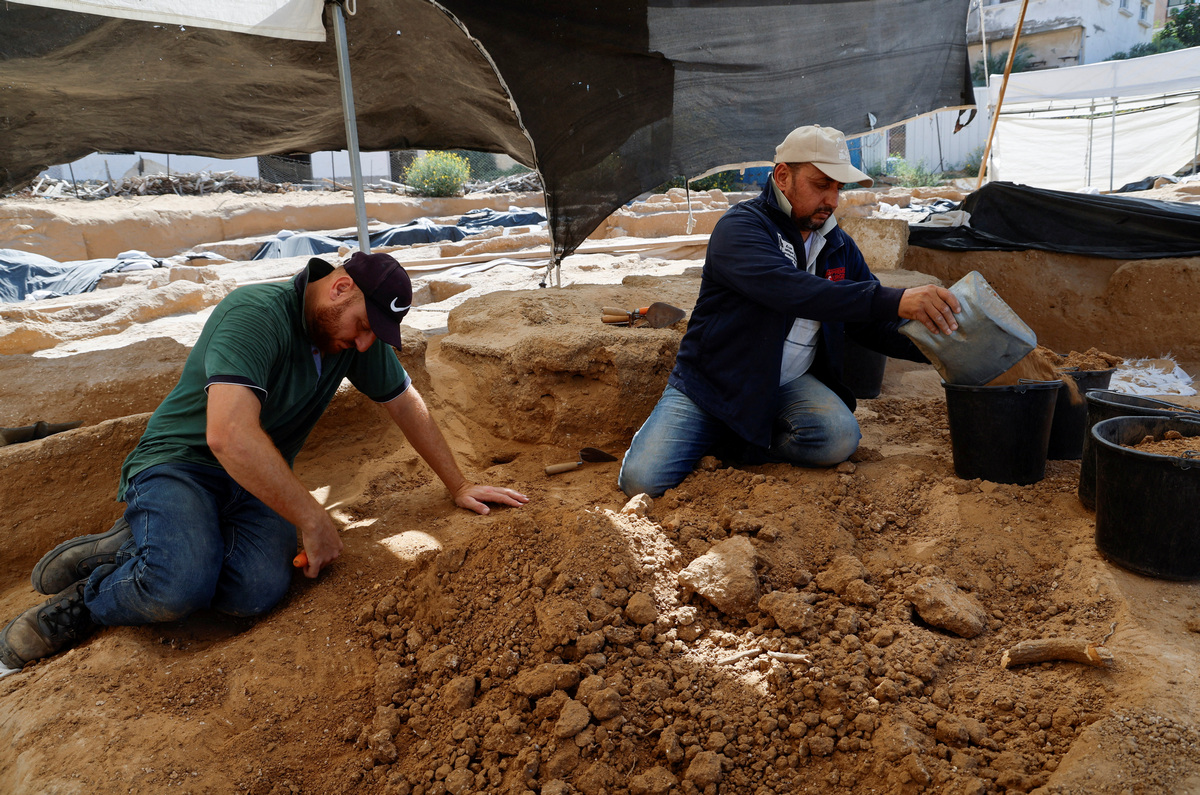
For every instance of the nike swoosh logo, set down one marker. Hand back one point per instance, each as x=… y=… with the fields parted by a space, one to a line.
x=395 y=308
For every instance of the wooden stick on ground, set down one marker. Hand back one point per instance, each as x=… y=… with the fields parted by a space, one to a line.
x=1028 y=652
x=741 y=655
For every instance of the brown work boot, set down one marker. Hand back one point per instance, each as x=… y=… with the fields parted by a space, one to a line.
x=46 y=629
x=77 y=558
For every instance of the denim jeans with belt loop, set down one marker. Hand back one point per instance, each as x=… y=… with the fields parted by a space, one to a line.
x=199 y=541
x=813 y=427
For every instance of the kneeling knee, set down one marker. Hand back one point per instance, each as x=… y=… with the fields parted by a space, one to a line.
x=254 y=602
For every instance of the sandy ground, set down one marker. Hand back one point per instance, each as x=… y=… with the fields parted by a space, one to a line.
x=852 y=644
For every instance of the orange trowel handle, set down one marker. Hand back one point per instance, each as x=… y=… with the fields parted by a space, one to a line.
x=555 y=469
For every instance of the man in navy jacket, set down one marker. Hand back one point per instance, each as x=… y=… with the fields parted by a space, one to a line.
x=758 y=374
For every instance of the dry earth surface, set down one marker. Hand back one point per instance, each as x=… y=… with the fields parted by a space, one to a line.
x=765 y=629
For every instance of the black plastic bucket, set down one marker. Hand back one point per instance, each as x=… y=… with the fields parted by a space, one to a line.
x=1105 y=405
x=863 y=370
x=1070 y=419
x=1000 y=433
x=1147 y=505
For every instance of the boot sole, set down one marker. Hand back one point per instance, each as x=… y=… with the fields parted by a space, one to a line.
x=36 y=578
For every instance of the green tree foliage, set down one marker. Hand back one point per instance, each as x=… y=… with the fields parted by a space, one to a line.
x=912 y=175
x=1158 y=44
x=723 y=180
x=438 y=174
x=1183 y=25
x=996 y=64
x=1182 y=29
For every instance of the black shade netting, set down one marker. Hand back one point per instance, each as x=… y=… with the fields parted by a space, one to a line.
x=606 y=100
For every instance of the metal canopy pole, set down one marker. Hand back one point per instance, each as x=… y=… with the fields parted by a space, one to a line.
x=360 y=204
x=1195 y=157
x=1112 y=146
x=1088 y=156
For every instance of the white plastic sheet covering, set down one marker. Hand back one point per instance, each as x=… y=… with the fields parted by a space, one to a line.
x=1051 y=149
x=282 y=19
x=1056 y=126
x=1165 y=73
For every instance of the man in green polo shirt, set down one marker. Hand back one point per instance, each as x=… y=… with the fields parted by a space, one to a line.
x=212 y=504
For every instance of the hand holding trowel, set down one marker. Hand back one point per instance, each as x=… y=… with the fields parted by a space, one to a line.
x=657 y=315
x=589 y=454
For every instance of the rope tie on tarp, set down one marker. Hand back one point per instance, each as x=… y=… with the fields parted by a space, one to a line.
x=691 y=224
x=554 y=265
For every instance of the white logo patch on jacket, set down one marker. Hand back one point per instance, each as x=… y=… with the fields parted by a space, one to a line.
x=788 y=249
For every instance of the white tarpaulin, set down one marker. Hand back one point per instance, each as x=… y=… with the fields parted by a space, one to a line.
x=1165 y=73
x=1103 y=125
x=281 y=19
x=1072 y=151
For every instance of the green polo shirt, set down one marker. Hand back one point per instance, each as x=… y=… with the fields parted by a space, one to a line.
x=256 y=337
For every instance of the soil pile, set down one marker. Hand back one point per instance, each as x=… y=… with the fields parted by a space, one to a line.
x=1172 y=443
x=1090 y=360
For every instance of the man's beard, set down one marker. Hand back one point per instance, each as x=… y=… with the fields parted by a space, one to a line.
x=808 y=223
x=321 y=326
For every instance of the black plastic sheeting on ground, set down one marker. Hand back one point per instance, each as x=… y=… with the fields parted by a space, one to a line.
x=486 y=218
x=23 y=273
x=606 y=100
x=299 y=244
x=1008 y=217
x=421 y=230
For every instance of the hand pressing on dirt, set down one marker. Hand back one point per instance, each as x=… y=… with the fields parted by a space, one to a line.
x=935 y=307
x=474 y=496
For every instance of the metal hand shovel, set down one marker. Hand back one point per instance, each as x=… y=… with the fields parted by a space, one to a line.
x=657 y=315
x=589 y=454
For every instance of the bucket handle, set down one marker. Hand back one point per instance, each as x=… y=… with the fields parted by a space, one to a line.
x=1189 y=458
x=1164 y=404
x=1032 y=381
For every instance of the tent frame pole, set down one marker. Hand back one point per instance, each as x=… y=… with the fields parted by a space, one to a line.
x=1112 y=146
x=1196 y=156
x=1012 y=53
x=1091 y=133
x=356 y=180
x=983 y=43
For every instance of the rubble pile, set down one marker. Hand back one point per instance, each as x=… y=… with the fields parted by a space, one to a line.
x=744 y=633
x=197 y=184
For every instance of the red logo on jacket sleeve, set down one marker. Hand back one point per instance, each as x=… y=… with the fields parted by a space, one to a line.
x=836 y=274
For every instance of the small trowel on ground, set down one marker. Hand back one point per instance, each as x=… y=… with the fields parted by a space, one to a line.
x=657 y=315
x=588 y=454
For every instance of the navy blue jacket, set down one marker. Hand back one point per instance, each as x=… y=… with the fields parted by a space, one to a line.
x=750 y=294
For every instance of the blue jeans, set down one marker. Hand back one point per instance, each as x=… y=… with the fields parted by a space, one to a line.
x=199 y=541
x=813 y=428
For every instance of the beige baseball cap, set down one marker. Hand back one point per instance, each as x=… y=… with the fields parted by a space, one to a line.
x=826 y=149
